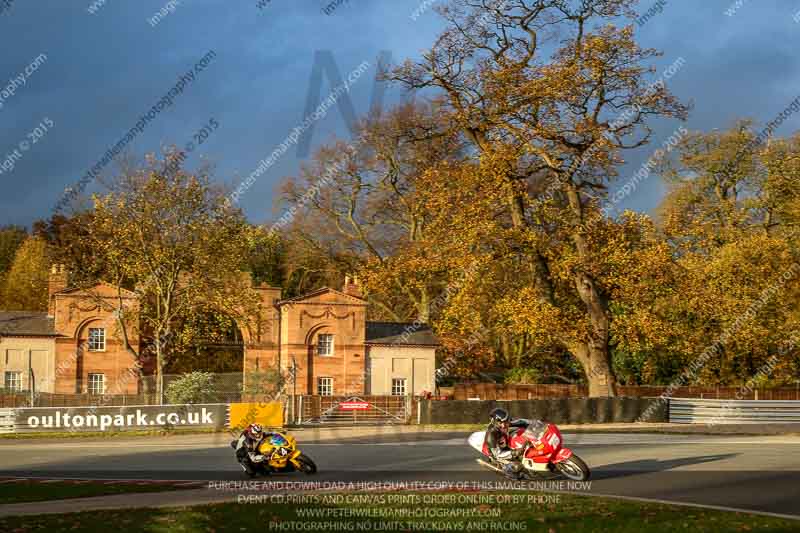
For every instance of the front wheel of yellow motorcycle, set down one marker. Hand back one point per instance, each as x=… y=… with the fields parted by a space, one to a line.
x=306 y=464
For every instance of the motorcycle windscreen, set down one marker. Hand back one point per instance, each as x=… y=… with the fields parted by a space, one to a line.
x=535 y=430
x=278 y=440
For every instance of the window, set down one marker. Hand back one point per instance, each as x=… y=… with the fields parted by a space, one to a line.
x=97 y=339
x=398 y=386
x=97 y=384
x=325 y=344
x=13 y=381
x=325 y=386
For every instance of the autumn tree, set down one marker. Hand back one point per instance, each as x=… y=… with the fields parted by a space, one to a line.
x=474 y=238
x=11 y=238
x=724 y=185
x=553 y=92
x=731 y=216
x=360 y=206
x=69 y=245
x=25 y=286
x=172 y=237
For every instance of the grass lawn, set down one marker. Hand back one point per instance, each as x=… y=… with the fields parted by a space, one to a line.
x=562 y=513
x=31 y=491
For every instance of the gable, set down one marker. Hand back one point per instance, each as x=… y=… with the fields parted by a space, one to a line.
x=101 y=289
x=325 y=295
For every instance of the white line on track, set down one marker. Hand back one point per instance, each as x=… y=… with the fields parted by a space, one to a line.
x=569 y=439
x=449 y=442
x=683 y=504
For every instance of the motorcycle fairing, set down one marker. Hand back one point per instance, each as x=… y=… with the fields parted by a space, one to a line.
x=562 y=455
x=280 y=449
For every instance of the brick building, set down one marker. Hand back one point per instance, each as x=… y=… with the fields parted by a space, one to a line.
x=324 y=335
x=73 y=347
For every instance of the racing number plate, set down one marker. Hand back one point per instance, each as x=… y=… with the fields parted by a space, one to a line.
x=279 y=454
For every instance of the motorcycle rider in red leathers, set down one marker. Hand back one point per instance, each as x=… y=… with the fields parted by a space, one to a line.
x=497 y=440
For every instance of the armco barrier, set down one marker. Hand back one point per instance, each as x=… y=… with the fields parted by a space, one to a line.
x=556 y=410
x=698 y=411
x=6 y=420
x=134 y=417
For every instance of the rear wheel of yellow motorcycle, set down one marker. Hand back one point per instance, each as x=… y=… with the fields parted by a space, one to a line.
x=306 y=464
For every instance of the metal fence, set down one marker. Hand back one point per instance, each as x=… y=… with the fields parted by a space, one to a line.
x=227 y=388
x=708 y=411
x=497 y=391
x=353 y=410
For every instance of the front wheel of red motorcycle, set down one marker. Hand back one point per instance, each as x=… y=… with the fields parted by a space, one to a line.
x=574 y=468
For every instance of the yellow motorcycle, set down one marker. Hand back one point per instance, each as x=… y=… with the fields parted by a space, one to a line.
x=278 y=452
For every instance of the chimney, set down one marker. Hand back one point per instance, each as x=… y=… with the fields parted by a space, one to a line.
x=56 y=283
x=352 y=287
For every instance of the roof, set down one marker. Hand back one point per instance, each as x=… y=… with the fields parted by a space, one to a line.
x=407 y=333
x=26 y=323
x=318 y=292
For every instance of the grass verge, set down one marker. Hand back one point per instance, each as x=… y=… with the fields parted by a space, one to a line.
x=32 y=491
x=438 y=512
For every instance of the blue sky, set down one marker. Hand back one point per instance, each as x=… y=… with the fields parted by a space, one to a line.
x=105 y=70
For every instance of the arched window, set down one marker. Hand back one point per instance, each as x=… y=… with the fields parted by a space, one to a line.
x=325 y=344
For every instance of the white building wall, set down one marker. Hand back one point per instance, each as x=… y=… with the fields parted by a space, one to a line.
x=416 y=364
x=14 y=357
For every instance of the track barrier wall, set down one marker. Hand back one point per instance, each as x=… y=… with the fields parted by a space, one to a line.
x=556 y=410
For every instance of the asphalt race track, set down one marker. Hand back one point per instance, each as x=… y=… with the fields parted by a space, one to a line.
x=746 y=472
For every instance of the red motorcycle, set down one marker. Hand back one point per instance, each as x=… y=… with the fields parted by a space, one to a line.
x=540 y=447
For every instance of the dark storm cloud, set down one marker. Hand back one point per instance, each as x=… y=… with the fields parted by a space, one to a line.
x=104 y=70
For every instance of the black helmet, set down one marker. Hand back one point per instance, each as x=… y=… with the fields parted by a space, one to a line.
x=498 y=415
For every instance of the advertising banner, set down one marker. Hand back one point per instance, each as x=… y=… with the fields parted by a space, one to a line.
x=354 y=406
x=125 y=418
x=269 y=414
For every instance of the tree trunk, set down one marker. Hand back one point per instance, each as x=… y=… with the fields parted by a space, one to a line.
x=597 y=359
x=594 y=355
x=596 y=362
x=137 y=358
x=424 y=307
x=159 y=371
x=602 y=382
x=541 y=271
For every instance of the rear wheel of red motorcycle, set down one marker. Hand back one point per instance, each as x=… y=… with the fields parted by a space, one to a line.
x=306 y=464
x=574 y=468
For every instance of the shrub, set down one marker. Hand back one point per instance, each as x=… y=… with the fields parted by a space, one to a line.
x=194 y=387
x=522 y=375
x=269 y=383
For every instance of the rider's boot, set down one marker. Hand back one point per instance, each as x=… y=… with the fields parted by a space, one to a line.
x=513 y=471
